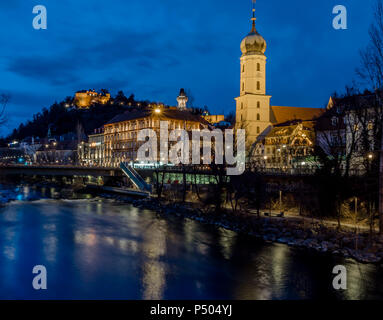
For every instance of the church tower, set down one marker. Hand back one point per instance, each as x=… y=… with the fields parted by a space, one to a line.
x=253 y=105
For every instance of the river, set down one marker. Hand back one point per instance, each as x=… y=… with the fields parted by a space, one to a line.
x=102 y=249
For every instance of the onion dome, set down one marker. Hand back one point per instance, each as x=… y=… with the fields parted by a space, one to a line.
x=253 y=43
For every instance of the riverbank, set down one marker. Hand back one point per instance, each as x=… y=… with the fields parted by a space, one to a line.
x=301 y=233
x=293 y=232
x=112 y=250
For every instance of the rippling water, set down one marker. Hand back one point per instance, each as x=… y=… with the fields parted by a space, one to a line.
x=98 y=249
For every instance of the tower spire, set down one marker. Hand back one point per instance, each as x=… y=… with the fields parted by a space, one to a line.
x=253 y=30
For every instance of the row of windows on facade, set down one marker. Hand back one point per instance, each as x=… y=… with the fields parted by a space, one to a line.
x=133 y=134
x=258 y=67
x=258 y=117
x=258 y=105
x=279 y=150
x=258 y=86
x=123 y=145
x=134 y=145
x=122 y=136
x=335 y=122
x=117 y=156
x=147 y=124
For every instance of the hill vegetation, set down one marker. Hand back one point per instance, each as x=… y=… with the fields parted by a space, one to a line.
x=64 y=117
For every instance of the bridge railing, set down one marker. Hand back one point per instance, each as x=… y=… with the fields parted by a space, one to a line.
x=133 y=175
x=200 y=169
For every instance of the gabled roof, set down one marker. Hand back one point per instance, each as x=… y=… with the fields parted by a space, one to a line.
x=281 y=131
x=290 y=132
x=285 y=114
x=356 y=101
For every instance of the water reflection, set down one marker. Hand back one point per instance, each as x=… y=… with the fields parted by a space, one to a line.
x=154 y=270
x=100 y=249
x=227 y=241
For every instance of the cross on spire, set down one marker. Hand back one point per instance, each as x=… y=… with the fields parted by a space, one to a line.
x=253 y=30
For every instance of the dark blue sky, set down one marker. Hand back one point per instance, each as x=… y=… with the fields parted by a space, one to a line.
x=152 y=48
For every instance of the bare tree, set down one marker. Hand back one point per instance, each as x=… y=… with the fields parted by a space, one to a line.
x=371 y=70
x=4 y=99
x=369 y=117
x=338 y=137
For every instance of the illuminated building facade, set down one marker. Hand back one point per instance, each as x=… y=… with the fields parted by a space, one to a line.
x=93 y=152
x=120 y=134
x=253 y=104
x=286 y=147
x=253 y=110
x=85 y=98
x=182 y=99
x=214 y=118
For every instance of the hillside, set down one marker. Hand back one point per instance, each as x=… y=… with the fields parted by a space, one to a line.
x=64 y=117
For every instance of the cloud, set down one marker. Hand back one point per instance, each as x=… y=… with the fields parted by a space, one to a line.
x=134 y=50
x=54 y=70
x=155 y=47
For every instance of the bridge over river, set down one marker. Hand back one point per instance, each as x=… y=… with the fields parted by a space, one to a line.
x=201 y=175
x=73 y=170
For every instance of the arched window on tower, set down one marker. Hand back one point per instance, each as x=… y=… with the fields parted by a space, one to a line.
x=243 y=68
x=243 y=86
x=258 y=85
x=258 y=105
x=258 y=67
x=241 y=105
x=258 y=130
x=258 y=116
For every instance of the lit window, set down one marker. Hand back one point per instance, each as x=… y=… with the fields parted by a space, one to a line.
x=334 y=121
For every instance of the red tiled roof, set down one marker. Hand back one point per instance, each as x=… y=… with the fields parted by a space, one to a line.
x=285 y=114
